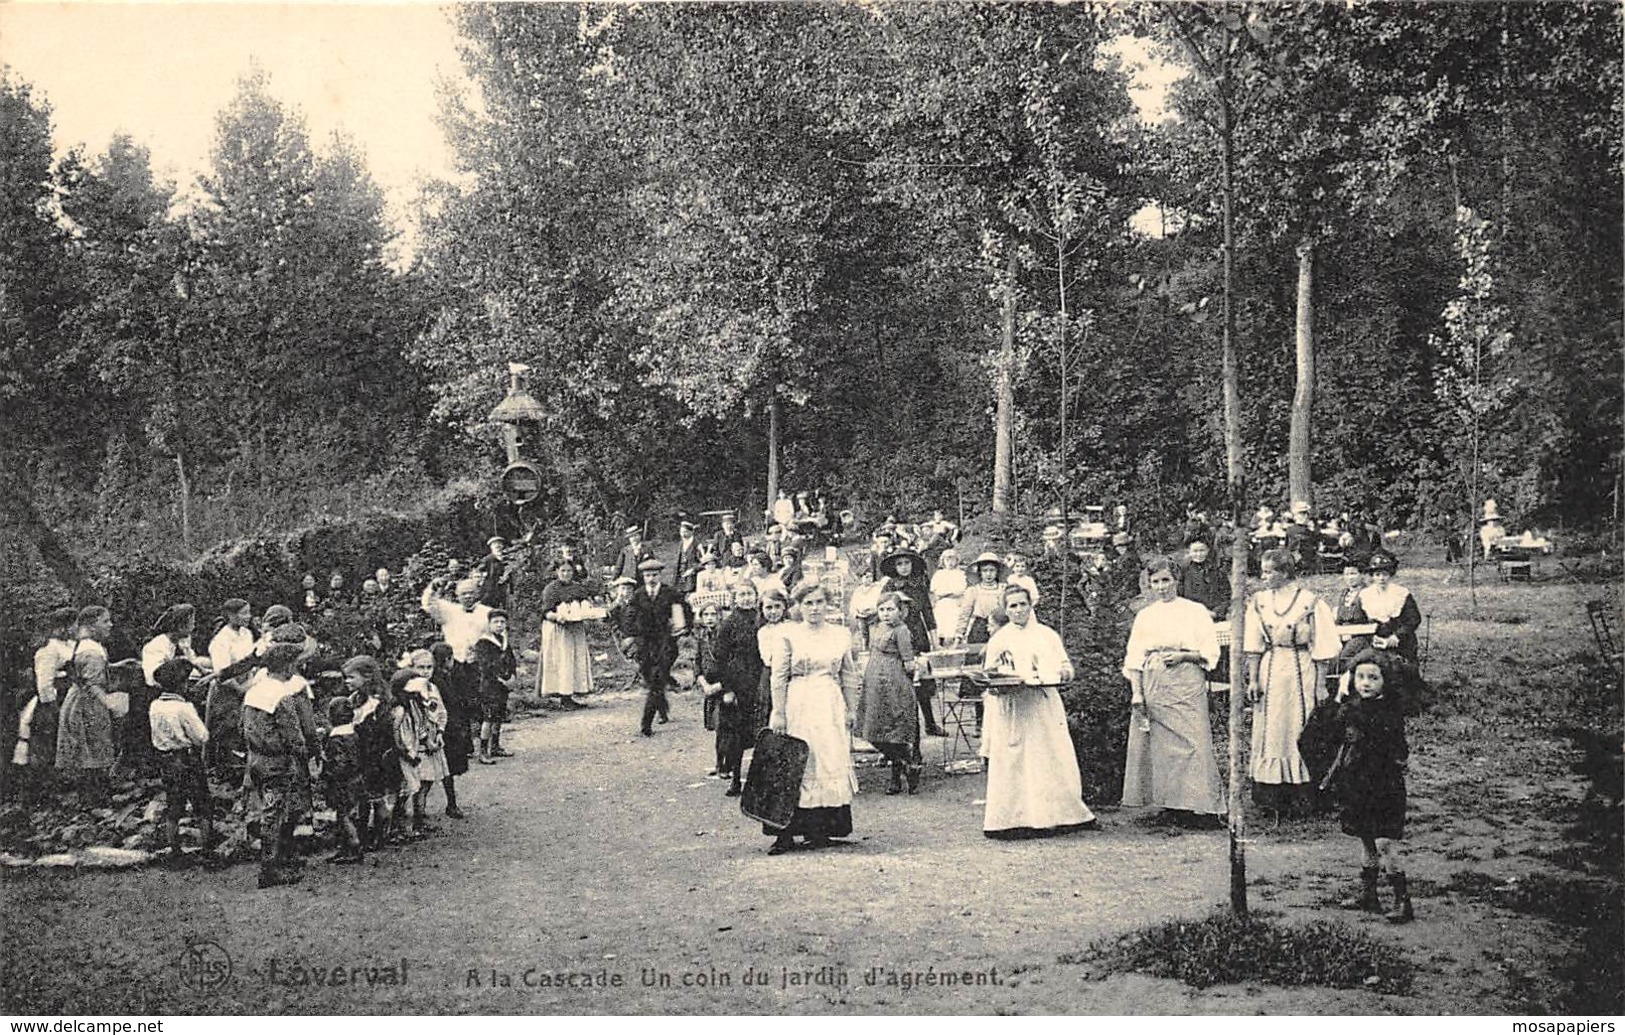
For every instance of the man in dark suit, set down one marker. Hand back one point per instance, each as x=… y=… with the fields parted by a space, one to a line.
x=644 y=622
x=722 y=542
x=688 y=558
x=496 y=578
x=634 y=553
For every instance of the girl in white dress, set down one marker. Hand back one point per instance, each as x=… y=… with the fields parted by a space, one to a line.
x=947 y=593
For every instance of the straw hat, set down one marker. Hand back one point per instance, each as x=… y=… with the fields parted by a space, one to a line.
x=989 y=557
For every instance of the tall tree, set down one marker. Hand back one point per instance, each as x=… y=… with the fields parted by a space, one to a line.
x=37 y=386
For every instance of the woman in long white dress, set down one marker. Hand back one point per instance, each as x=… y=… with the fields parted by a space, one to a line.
x=813 y=678
x=1033 y=784
x=566 y=663
x=1170 y=742
x=1290 y=636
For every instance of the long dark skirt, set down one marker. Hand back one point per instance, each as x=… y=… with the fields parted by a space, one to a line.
x=764 y=704
x=832 y=821
x=733 y=736
x=459 y=743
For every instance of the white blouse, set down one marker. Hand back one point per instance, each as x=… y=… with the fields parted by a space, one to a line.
x=1177 y=624
x=160 y=649
x=1036 y=652
x=1383 y=605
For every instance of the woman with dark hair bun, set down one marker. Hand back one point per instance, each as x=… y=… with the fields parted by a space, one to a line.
x=1290 y=636
x=172 y=638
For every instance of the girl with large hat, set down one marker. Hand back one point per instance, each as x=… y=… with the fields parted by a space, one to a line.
x=983 y=597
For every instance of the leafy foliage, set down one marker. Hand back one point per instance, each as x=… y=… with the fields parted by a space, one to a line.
x=1226 y=948
x=681 y=215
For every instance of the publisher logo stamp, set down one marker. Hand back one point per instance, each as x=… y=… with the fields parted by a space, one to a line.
x=205 y=967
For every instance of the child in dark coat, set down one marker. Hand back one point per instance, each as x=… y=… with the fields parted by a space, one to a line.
x=341 y=778
x=1368 y=778
x=374 y=720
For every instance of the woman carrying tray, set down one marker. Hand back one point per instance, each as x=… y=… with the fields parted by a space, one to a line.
x=1033 y=785
x=813 y=675
x=566 y=659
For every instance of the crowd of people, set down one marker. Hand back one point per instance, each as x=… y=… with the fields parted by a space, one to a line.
x=267 y=709
x=786 y=635
x=835 y=647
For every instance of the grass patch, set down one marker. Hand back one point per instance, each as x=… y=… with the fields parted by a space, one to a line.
x=1224 y=948
x=1595 y=969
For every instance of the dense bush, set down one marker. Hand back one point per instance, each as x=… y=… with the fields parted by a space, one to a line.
x=267 y=569
x=1224 y=948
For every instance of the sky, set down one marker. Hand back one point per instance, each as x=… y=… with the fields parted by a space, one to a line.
x=162 y=71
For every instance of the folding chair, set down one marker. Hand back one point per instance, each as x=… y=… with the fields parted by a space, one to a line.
x=1602 y=628
x=959 y=720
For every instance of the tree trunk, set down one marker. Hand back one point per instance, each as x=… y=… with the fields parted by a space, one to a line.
x=186 y=505
x=1005 y=404
x=773 y=405
x=1303 y=400
x=1235 y=478
x=1066 y=374
x=19 y=515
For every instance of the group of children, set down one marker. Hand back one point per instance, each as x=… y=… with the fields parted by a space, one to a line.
x=257 y=712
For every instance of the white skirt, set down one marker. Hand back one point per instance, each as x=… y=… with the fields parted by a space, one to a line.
x=1032 y=771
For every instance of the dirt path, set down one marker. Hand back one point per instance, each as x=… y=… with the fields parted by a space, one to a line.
x=598 y=853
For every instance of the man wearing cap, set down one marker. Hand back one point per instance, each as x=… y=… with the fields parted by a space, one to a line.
x=722 y=542
x=494 y=574
x=688 y=558
x=634 y=553
x=645 y=622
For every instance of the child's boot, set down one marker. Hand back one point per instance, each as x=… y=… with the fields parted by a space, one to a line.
x=896 y=785
x=913 y=773
x=1366 y=900
x=1402 y=912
